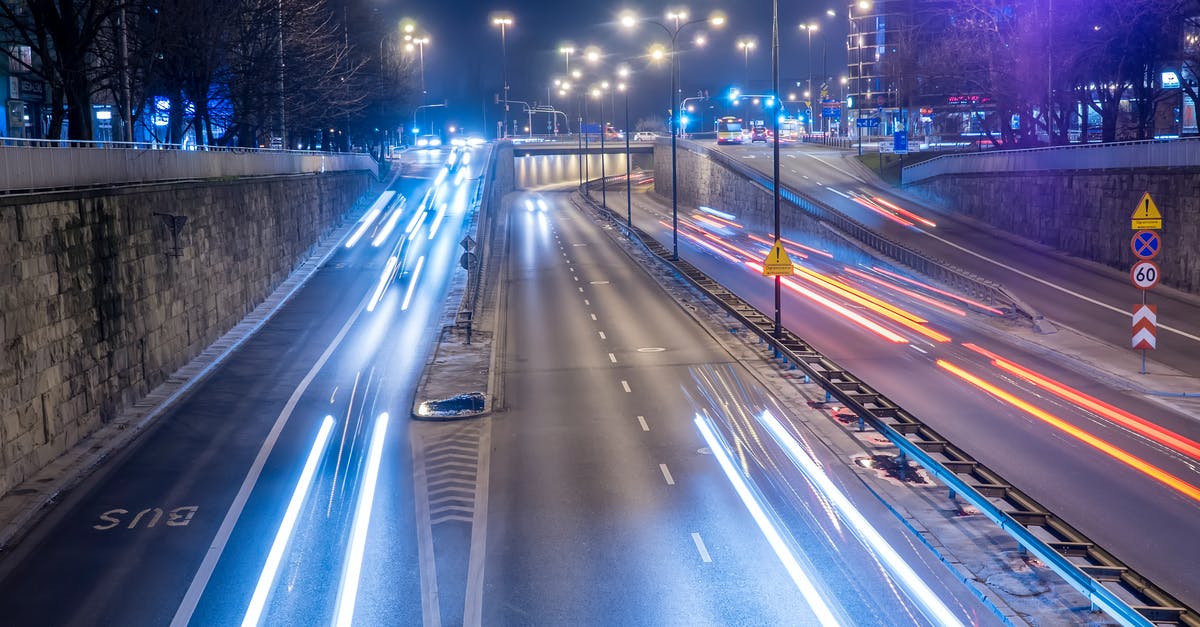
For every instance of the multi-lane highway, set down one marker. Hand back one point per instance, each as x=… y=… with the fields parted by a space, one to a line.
x=1122 y=468
x=280 y=487
x=608 y=504
x=1087 y=297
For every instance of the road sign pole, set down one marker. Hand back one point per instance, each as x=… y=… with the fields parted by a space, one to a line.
x=1143 y=350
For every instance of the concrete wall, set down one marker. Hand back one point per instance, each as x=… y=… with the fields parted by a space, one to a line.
x=1084 y=212
x=96 y=308
x=703 y=182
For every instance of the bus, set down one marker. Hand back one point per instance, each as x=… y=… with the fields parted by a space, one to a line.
x=729 y=130
x=789 y=129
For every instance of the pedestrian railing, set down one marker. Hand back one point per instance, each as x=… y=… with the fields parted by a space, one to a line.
x=1165 y=153
x=37 y=165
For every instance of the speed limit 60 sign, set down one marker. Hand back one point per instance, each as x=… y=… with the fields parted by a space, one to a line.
x=1144 y=274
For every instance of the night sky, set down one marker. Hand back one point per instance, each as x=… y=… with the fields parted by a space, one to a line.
x=463 y=61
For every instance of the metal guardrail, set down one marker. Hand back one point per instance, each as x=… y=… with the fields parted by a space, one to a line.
x=1164 y=153
x=1090 y=569
x=484 y=210
x=34 y=167
x=923 y=264
x=825 y=140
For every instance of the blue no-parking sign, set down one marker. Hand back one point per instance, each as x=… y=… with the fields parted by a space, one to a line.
x=1146 y=244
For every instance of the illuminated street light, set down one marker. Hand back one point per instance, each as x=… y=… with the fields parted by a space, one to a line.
x=679 y=21
x=747 y=45
x=567 y=51
x=503 y=21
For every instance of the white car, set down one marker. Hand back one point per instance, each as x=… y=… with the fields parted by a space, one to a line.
x=644 y=136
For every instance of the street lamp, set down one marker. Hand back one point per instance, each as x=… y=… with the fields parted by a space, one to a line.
x=567 y=51
x=809 y=29
x=623 y=72
x=746 y=45
x=598 y=94
x=420 y=42
x=503 y=21
x=679 y=21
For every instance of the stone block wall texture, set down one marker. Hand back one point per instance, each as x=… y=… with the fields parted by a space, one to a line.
x=1084 y=212
x=96 y=309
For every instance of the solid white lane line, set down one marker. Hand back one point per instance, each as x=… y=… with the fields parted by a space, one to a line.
x=191 y=599
x=625 y=384
x=666 y=474
x=837 y=192
x=1123 y=312
x=602 y=336
x=266 y=579
x=642 y=421
x=700 y=547
x=352 y=567
x=612 y=358
x=593 y=317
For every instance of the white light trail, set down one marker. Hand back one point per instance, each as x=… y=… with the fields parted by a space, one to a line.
x=900 y=570
x=412 y=282
x=384 y=279
x=390 y=224
x=809 y=591
x=369 y=219
x=352 y=569
x=266 y=580
x=437 y=220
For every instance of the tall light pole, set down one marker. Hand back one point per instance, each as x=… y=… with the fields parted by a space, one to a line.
x=746 y=45
x=503 y=21
x=623 y=72
x=566 y=52
x=679 y=21
x=775 y=152
x=809 y=28
x=598 y=94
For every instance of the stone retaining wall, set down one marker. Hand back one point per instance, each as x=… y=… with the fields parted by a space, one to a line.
x=1084 y=212
x=100 y=302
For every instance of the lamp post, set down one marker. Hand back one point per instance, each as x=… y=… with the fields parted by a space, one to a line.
x=420 y=42
x=503 y=21
x=623 y=72
x=746 y=45
x=598 y=94
x=679 y=21
x=775 y=152
x=809 y=29
x=567 y=51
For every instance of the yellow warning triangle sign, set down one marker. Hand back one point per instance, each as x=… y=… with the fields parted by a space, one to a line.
x=778 y=263
x=1145 y=215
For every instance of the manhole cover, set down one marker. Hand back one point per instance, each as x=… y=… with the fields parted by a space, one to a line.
x=599 y=282
x=651 y=349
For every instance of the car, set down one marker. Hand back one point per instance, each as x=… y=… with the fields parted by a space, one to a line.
x=644 y=136
x=759 y=134
x=429 y=141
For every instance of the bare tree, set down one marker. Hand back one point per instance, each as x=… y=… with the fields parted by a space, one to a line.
x=63 y=36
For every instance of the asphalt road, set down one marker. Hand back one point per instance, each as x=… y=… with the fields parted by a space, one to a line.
x=1144 y=521
x=1091 y=298
x=606 y=505
x=223 y=464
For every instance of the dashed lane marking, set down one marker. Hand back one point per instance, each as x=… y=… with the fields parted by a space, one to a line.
x=700 y=547
x=666 y=474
